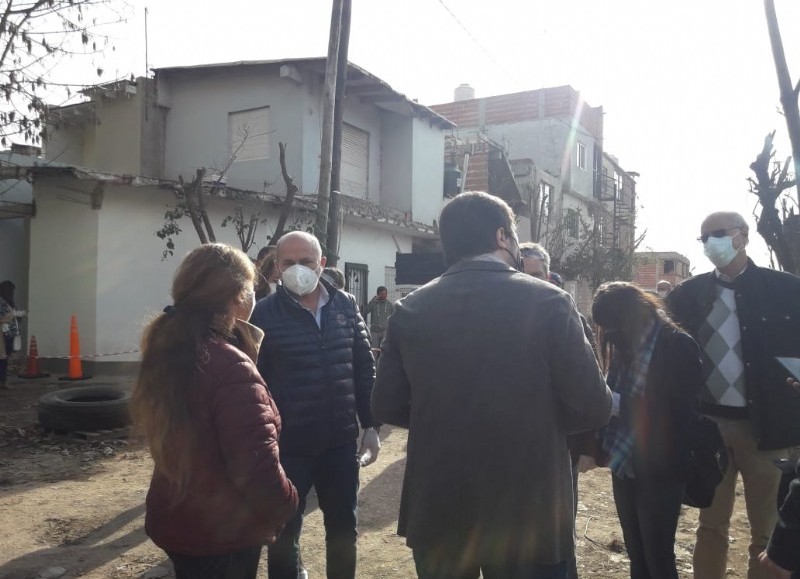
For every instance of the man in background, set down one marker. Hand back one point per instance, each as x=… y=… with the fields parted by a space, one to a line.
x=379 y=309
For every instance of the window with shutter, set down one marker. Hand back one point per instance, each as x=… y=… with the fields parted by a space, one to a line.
x=248 y=134
x=355 y=161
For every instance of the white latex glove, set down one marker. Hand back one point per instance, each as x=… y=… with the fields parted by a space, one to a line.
x=615 y=398
x=20 y=313
x=370 y=446
x=585 y=463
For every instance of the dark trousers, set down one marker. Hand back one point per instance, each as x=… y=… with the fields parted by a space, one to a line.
x=443 y=562
x=9 y=345
x=237 y=565
x=648 y=511
x=334 y=474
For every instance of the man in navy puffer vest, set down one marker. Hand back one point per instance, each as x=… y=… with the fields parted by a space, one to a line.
x=317 y=363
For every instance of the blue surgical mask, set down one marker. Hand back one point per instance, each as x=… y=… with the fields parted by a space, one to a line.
x=720 y=250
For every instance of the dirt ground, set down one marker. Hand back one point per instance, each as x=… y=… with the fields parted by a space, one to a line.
x=78 y=504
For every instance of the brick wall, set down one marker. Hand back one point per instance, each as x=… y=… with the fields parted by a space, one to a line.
x=649 y=269
x=512 y=108
x=462 y=113
x=561 y=101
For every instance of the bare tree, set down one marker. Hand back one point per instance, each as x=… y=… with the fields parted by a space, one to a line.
x=192 y=198
x=577 y=243
x=780 y=229
x=291 y=190
x=35 y=36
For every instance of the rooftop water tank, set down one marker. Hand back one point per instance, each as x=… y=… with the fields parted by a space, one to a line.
x=464 y=92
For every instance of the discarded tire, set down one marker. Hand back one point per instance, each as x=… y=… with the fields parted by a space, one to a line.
x=88 y=409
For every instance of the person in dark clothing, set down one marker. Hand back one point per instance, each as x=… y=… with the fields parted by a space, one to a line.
x=654 y=372
x=781 y=558
x=536 y=263
x=379 y=308
x=743 y=317
x=9 y=327
x=317 y=360
x=489 y=370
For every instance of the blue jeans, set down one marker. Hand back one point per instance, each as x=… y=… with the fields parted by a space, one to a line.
x=440 y=562
x=334 y=474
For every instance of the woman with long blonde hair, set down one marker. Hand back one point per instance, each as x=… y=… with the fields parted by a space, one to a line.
x=218 y=492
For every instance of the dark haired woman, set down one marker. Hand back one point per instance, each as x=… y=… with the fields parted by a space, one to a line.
x=218 y=491
x=653 y=371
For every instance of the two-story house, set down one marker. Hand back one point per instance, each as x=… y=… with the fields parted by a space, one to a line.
x=93 y=251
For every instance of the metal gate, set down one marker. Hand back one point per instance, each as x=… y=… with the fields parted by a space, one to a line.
x=355 y=282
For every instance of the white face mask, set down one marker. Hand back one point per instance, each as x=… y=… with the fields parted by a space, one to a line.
x=300 y=280
x=720 y=250
x=662 y=293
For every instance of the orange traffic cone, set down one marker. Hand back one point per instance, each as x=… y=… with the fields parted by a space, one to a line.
x=75 y=371
x=32 y=370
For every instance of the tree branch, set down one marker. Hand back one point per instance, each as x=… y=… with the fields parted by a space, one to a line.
x=291 y=190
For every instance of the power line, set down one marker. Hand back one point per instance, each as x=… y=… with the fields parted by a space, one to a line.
x=474 y=39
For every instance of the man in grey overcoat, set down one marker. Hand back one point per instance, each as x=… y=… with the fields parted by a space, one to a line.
x=489 y=370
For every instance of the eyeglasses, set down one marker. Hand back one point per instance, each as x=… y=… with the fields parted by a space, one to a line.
x=716 y=233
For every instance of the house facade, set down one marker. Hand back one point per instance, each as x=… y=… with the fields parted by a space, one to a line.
x=650 y=267
x=93 y=251
x=570 y=187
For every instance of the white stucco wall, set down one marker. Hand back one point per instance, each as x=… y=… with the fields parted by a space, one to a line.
x=105 y=265
x=114 y=143
x=397 y=154
x=373 y=247
x=428 y=171
x=197 y=124
x=63 y=267
x=64 y=144
x=549 y=144
x=133 y=281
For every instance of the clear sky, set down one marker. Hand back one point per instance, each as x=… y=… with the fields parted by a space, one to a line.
x=688 y=87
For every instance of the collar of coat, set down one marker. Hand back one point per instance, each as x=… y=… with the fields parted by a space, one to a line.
x=479 y=265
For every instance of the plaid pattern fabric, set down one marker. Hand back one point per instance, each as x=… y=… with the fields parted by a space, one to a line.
x=630 y=383
x=720 y=341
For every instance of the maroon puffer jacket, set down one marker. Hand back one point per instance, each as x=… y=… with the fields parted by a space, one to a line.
x=238 y=495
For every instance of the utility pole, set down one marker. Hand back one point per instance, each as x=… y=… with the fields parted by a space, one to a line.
x=788 y=93
x=325 y=159
x=335 y=213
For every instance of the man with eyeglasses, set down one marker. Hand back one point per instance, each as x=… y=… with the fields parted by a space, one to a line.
x=536 y=263
x=742 y=316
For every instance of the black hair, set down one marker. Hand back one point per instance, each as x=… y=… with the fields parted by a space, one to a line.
x=469 y=223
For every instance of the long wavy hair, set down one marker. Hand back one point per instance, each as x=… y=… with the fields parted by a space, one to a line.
x=208 y=284
x=623 y=311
